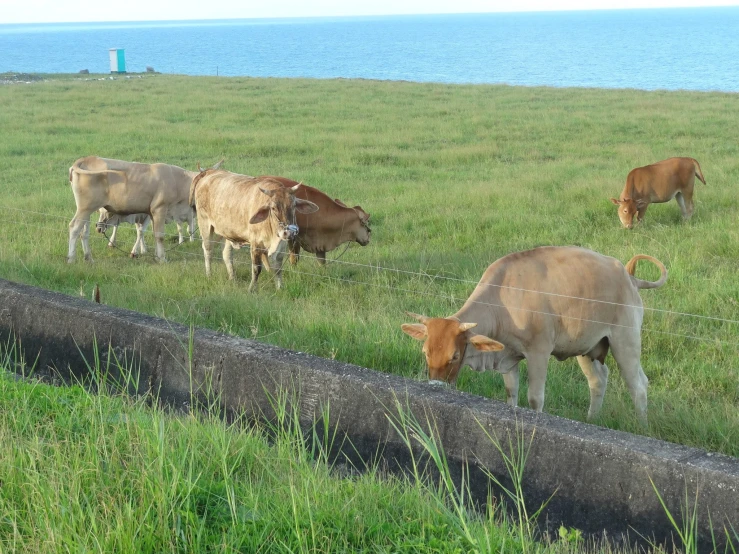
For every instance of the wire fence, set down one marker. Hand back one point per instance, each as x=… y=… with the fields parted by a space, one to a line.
x=48 y=223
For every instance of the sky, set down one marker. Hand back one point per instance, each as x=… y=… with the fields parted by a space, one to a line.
x=50 y=11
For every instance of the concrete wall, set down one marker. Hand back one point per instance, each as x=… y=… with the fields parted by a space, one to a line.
x=599 y=479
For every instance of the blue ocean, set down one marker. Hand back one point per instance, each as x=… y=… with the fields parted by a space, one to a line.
x=692 y=48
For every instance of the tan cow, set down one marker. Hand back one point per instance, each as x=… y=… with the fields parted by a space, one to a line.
x=125 y=188
x=244 y=210
x=332 y=226
x=657 y=183
x=560 y=301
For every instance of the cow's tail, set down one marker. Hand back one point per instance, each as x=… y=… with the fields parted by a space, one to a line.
x=77 y=168
x=640 y=283
x=194 y=185
x=698 y=172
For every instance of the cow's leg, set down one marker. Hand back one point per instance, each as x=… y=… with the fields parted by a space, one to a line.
x=191 y=225
x=158 y=217
x=144 y=226
x=180 y=239
x=111 y=240
x=640 y=213
x=138 y=246
x=511 y=386
x=86 y=242
x=597 y=375
x=321 y=257
x=537 y=371
x=628 y=354
x=256 y=267
x=228 y=258
x=77 y=226
x=294 y=247
x=277 y=266
x=685 y=201
x=206 y=234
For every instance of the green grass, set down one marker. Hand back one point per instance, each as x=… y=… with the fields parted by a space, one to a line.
x=86 y=472
x=454 y=177
x=105 y=472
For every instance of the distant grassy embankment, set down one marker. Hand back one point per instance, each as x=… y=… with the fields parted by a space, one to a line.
x=454 y=177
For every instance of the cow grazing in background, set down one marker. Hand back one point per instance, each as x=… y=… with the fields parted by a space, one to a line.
x=560 y=301
x=244 y=210
x=125 y=188
x=184 y=215
x=657 y=183
x=111 y=219
x=333 y=224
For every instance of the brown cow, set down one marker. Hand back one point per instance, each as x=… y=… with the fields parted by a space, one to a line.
x=561 y=301
x=243 y=210
x=657 y=183
x=333 y=225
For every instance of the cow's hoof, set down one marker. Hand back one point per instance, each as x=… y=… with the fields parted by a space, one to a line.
x=111 y=245
x=133 y=255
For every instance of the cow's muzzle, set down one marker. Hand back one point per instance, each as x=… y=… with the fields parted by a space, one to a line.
x=288 y=232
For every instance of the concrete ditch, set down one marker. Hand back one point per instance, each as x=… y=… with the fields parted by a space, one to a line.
x=596 y=480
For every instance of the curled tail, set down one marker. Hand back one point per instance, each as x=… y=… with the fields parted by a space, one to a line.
x=640 y=283
x=698 y=172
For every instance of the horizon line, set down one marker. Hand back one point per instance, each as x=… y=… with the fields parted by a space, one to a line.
x=345 y=16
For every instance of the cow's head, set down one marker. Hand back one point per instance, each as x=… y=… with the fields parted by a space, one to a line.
x=105 y=220
x=281 y=206
x=445 y=343
x=364 y=232
x=627 y=210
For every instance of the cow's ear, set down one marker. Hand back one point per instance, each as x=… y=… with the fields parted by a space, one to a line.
x=615 y=201
x=415 y=330
x=305 y=206
x=260 y=216
x=485 y=344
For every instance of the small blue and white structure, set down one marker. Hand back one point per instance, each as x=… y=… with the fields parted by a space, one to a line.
x=117 y=60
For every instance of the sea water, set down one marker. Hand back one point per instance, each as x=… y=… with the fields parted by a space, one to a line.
x=691 y=48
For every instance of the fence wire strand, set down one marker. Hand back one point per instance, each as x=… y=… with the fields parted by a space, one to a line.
x=378 y=268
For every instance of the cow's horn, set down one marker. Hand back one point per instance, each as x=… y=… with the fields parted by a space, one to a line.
x=199 y=168
x=295 y=188
x=466 y=326
x=267 y=191
x=422 y=318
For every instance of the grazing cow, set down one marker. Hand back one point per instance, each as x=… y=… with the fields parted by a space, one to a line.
x=333 y=225
x=125 y=188
x=111 y=219
x=257 y=211
x=561 y=301
x=657 y=183
x=180 y=215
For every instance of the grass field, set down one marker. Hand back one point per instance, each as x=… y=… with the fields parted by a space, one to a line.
x=454 y=177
